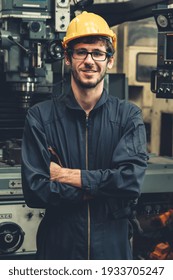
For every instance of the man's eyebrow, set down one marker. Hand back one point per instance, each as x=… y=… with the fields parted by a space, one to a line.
x=98 y=50
x=87 y=49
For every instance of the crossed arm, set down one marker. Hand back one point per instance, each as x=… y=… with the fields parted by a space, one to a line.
x=65 y=175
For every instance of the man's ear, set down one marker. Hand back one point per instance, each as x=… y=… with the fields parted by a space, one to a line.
x=67 y=59
x=110 y=63
x=67 y=62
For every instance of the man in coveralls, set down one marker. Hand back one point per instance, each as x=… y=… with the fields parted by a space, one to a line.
x=84 y=155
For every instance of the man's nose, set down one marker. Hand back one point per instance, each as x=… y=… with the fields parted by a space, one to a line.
x=89 y=57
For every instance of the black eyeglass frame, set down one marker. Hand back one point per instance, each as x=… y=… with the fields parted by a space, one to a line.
x=107 y=54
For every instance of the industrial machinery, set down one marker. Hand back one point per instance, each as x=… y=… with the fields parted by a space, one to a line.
x=161 y=82
x=32 y=69
x=153 y=238
x=30 y=37
x=30 y=43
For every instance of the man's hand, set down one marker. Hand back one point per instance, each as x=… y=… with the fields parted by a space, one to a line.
x=55 y=171
x=65 y=175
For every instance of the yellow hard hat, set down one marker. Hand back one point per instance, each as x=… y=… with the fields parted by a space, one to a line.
x=87 y=24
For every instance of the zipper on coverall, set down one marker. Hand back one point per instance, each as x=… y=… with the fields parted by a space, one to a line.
x=89 y=225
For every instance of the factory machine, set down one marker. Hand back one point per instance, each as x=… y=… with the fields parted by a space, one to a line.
x=30 y=49
x=31 y=68
x=153 y=232
x=154 y=239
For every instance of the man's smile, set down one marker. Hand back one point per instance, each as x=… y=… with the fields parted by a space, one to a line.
x=89 y=71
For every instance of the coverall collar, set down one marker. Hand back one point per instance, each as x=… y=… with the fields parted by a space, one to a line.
x=73 y=104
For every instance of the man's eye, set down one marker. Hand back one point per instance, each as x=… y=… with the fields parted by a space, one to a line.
x=81 y=53
x=98 y=54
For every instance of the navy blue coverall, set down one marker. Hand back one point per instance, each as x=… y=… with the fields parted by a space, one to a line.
x=109 y=146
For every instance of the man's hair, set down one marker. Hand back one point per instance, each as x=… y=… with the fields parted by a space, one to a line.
x=90 y=40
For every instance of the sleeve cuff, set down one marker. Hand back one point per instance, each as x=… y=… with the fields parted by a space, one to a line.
x=90 y=181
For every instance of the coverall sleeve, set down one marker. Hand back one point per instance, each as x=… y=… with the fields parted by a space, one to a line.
x=38 y=190
x=129 y=162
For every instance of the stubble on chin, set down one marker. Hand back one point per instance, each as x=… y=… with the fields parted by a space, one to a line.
x=87 y=84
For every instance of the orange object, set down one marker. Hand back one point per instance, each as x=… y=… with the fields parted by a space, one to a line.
x=163 y=219
x=87 y=24
x=161 y=251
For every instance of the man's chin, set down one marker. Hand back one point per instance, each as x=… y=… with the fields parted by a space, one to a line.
x=87 y=84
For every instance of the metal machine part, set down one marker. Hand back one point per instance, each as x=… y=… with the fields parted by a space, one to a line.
x=159 y=175
x=18 y=228
x=62 y=15
x=30 y=37
x=10 y=182
x=11 y=152
x=154 y=212
x=161 y=78
x=18 y=223
x=11 y=237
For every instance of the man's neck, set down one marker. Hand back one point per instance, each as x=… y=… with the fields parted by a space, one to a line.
x=87 y=98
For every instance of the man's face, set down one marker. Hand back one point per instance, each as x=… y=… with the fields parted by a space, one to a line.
x=87 y=72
